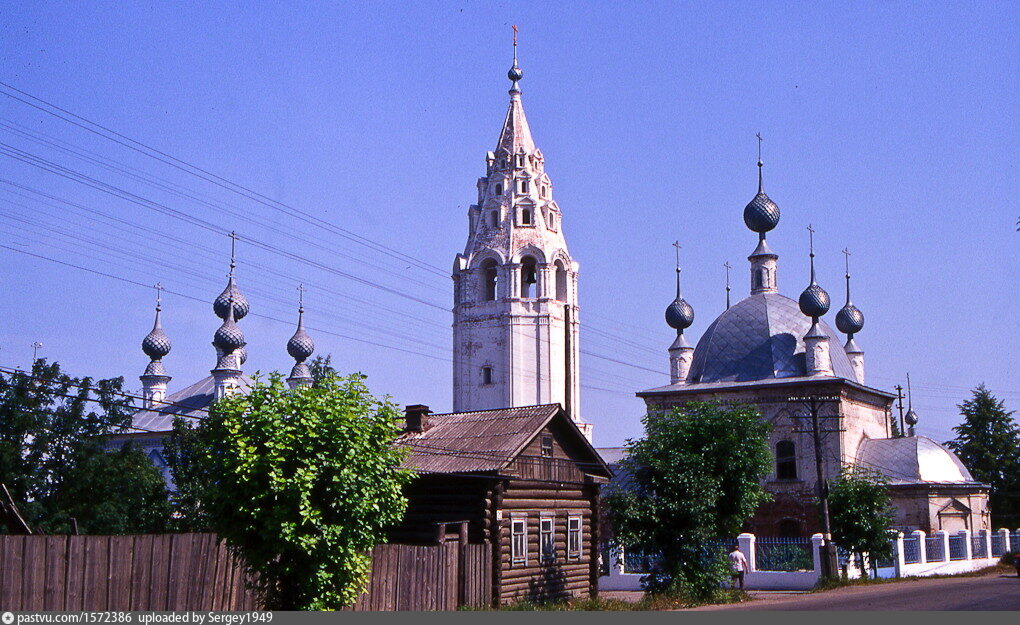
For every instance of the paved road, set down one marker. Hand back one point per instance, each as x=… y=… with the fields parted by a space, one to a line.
x=992 y=592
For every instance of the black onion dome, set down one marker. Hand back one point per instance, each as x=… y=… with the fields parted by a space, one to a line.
x=911 y=417
x=679 y=314
x=761 y=214
x=849 y=319
x=515 y=73
x=156 y=343
x=300 y=346
x=814 y=301
x=240 y=302
x=229 y=337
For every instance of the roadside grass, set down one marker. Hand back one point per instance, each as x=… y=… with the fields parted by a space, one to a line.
x=667 y=601
x=832 y=584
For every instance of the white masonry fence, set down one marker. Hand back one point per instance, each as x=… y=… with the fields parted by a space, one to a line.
x=794 y=564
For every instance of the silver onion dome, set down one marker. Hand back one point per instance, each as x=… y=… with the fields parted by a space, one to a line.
x=300 y=346
x=515 y=73
x=814 y=301
x=761 y=214
x=156 y=343
x=911 y=417
x=229 y=336
x=231 y=293
x=242 y=355
x=849 y=319
x=679 y=314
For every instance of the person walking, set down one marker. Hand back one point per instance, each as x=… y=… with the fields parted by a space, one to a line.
x=738 y=566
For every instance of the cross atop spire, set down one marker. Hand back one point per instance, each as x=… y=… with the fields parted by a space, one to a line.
x=233 y=251
x=728 y=267
x=811 y=248
x=761 y=186
x=301 y=296
x=515 y=73
x=677 y=245
x=159 y=295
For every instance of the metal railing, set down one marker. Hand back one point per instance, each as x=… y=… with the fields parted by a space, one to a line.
x=978 y=546
x=998 y=544
x=934 y=550
x=911 y=550
x=1014 y=541
x=958 y=547
x=783 y=554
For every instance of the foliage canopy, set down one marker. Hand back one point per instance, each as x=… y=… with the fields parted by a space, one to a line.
x=53 y=461
x=861 y=513
x=302 y=484
x=988 y=444
x=695 y=476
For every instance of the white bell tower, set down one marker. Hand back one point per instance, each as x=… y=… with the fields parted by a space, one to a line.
x=515 y=322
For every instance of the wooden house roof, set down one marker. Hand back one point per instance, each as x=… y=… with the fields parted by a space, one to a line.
x=486 y=441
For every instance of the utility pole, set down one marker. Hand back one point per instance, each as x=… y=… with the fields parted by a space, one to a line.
x=35 y=352
x=899 y=396
x=827 y=553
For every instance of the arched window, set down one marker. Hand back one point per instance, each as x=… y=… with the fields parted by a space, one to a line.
x=486 y=375
x=494 y=219
x=786 y=460
x=526 y=216
x=524 y=186
x=529 y=277
x=499 y=189
x=561 y=282
x=763 y=278
x=789 y=528
x=490 y=275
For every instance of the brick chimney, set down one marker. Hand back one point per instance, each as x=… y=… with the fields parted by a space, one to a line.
x=416 y=418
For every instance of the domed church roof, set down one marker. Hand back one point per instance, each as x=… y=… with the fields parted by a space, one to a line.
x=760 y=338
x=912 y=460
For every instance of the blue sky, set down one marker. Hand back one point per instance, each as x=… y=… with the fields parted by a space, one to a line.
x=889 y=126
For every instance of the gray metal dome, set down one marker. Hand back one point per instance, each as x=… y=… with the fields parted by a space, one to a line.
x=300 y=346
x=229 y=336
x=679 y=314
x=849 y=319
x=156 y=343
x=515 y=73
x=240 y=301
x=911 y=417
x=814 y=301
x=759 y=338
x=761 y=214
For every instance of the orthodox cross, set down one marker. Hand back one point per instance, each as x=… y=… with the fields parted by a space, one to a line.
x=159 y=293
x=301 y=295
x=727 y=266
x=233 y=244
x=677 y=245
x=811 y=238
x=846 y=253
x=515 y=43
x=758 y=134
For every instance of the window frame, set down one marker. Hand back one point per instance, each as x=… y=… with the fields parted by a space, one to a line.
x=575 y=537
x=519 y=552
x=546 y=446
x=547 y=539
x=787 y=462
x=487 y=375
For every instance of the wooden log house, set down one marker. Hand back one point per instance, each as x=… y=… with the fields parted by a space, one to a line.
x=525 y=480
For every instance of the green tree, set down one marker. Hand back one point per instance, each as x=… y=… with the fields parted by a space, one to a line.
x=696 y=475
x=988 y=444
x=53 y=459
x=861 y=514
x=181 y=450
x=322 y=368
x=302 y=484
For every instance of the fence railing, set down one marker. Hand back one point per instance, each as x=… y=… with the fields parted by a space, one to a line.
x=958 y=547
x=911 y=550
x=935 y=549
x=978 y=546
x=783 y=554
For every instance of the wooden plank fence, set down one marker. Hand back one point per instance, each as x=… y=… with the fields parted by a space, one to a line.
x=139 y=572
x=195 y=572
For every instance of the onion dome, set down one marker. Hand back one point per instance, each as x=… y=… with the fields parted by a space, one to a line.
x=156 y=343
x=911 y=417
x=849 y=319
x=242 y=355
x=679 y=315
x=300 y=346
x=515 y=73
x=231 y=293
x=814 y=301
x=229 y=336
x=761 y=214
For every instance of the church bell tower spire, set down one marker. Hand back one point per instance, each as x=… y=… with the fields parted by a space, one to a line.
x=515 y=328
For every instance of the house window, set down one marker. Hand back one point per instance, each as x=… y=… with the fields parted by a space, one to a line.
x=547 y=539
x=499 y=189
x=547 y=446
x=561 y=282
x=519 y=541
x=526 y=217
x=574 y=537
x=786 y=460
x=524 y=186
x=486 y=375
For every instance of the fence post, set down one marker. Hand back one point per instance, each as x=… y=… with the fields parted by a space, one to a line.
x=619 y=564
x=986 y=537
x=1006 y=548
x=816 y=553
x=945 y=535
x=922 y=546
x=968 y=548
x=901 y=558
x=745 y=543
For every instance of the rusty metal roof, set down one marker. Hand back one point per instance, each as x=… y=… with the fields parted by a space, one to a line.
x=485 y=441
